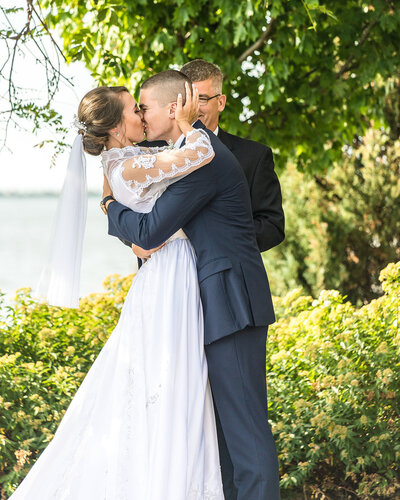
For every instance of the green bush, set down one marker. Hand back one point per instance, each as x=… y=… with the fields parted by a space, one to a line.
x=343 y=227
x=333 y=377
x=45 y=352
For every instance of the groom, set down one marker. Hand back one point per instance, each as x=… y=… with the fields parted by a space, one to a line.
x=212 y=206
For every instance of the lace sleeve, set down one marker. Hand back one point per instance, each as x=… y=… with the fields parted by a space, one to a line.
x=152 y=150
x=145 y=169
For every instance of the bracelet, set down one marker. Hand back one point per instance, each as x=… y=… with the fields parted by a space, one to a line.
x=104 y=201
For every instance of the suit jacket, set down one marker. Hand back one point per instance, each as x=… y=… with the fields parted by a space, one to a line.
x=265 y=191
x=213 y=207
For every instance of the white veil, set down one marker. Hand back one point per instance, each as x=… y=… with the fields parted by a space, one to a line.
x=59 y=282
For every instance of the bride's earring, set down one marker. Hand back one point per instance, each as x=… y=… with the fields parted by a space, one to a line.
x=117 y=134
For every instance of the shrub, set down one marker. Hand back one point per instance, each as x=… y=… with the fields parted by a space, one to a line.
x=45 y=352
x=333 y=378
x=343 y=227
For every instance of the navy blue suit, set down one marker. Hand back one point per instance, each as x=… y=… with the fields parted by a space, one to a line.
x=212 y=205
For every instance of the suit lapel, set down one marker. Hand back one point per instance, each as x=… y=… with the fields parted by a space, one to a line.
x=225 y=138
x=196 y=124
x=199 y=124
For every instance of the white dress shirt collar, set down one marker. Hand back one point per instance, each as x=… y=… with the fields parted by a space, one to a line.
x=179 y=141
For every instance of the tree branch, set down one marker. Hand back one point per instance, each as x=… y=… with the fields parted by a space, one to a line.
x=43 y=23
x=349 y=64
x=19 y=41
x=364 y=36
x=309 y=73
x=256 y=45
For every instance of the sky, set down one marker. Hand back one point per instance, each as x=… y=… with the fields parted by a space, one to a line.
x=25 y=223
x=24 y=167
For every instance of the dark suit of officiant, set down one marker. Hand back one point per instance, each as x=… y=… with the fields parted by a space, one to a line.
x=257 y=163
x=212 y=205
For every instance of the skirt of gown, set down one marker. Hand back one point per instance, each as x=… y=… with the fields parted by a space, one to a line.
x=141 y=426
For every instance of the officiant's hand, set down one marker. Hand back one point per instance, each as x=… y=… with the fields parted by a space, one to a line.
x=142 y=253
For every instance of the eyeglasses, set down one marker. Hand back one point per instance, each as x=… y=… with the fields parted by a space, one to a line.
x=204 y=100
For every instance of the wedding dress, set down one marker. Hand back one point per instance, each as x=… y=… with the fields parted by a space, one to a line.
x=141 y=426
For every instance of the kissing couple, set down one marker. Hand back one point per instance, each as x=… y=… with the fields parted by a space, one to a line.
x=175 y=405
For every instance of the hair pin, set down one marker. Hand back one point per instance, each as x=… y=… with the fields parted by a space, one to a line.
x=79 y=125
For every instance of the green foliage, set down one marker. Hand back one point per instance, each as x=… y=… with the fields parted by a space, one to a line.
x=18 y=107
x=333 y=381
x=45 y=352
x=342 y=228
x=333 y=377
x=303 y=76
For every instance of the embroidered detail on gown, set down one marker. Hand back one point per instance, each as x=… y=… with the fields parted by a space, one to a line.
x=141 y=426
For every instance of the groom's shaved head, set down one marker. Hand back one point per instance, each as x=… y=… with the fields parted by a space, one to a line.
x=167 y=85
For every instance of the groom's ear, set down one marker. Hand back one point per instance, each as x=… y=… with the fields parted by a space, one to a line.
x=172 y=109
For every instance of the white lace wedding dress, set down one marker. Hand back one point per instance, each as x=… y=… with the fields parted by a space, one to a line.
x=141 y=426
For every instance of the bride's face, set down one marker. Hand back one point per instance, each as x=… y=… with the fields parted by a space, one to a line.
x=131 y=128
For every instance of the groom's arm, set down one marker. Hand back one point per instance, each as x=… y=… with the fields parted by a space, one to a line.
x=172 y=211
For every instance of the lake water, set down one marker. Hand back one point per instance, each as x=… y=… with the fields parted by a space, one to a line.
x=25 y=226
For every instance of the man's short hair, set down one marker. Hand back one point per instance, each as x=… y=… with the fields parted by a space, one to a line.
x=199 y=70
x=169 y=84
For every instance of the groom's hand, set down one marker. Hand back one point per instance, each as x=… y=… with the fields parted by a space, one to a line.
x=142 y=253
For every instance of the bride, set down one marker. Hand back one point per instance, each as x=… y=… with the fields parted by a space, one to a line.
x=141 y=426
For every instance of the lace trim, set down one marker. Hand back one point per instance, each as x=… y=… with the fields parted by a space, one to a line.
x=153 y=150
x=203 y=141
x=154 y=398
x=146 y=162
x=208 y=494
x=115 y=154
x=129 y=151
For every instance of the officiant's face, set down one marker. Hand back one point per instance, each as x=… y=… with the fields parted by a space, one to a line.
x=212 y=102
x=156 y=116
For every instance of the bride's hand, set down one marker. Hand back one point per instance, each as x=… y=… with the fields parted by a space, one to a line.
x=187 y=114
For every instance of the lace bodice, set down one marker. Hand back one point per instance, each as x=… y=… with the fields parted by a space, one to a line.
x=138 y=176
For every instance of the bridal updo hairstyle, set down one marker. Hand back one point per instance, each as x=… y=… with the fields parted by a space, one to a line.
x=100 y=110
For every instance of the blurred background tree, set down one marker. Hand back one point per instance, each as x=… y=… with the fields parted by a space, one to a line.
x=19 y=105
x=303 y=76
x=318 y=81
x=341 y=228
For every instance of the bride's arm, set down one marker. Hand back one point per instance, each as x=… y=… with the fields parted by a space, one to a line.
x=152 y=150
x=145 y=169
x=151 y=166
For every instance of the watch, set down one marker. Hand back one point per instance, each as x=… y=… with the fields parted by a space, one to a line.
x=104 y=201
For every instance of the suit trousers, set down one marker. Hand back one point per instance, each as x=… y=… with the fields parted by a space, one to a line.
x=237 y=374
